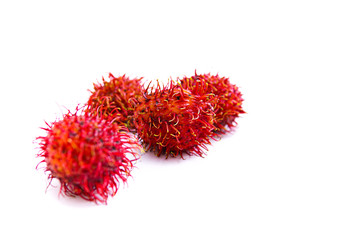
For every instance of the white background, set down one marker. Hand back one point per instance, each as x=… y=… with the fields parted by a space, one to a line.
x=289 y=171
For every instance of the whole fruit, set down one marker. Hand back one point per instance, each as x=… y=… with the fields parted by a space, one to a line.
x=227 y=99
x=116 y=99
x=172 y=121
x=88 y=154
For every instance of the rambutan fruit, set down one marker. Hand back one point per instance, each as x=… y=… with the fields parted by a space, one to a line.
x=88 y=154
x=115 y=99
x=227 y=99
x=171 y=120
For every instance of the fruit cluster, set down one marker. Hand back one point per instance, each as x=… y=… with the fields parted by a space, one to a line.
x=94 y=149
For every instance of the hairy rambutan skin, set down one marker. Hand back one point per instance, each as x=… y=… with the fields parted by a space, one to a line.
x=227 y=99
x=173 y=121
x=116 y=99
x=88 y=154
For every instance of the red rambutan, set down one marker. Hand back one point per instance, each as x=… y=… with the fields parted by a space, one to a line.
x=88 y=154
x=227 y=99
x=173 y=121
x=115 y=99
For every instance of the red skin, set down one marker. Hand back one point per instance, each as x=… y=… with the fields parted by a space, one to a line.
x=116 y=99
x=89 y=155
x=172 y=121
x=227 y=99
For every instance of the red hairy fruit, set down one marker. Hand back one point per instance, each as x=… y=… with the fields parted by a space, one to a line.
x=88 y=154
x=116 y=99
x=172 y=121
x=227 y=102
